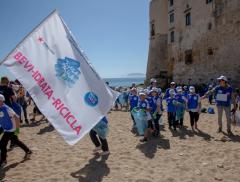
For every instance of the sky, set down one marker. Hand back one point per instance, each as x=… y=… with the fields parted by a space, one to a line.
x=112 y=33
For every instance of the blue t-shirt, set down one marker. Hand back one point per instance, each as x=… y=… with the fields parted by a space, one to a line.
x=223 y=95
x=6 y=118
x=151 y=103
x=170 y=104
x=193 y=101
x=180 y=98
x=133 y=99
x=143 y=104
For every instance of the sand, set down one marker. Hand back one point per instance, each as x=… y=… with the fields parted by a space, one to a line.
x=176 y=156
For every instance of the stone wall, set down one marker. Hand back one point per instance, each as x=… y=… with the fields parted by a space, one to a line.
x=213 y=39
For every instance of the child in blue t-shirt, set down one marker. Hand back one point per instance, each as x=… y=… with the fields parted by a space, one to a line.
x=144 y=105
x=180 y=105
x=193 y=107
x=98 y=136
x=133 y=102
x=171 y=109
x=156 y=110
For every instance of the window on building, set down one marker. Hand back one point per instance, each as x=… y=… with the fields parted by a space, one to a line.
x=208 y=1
x=170 y=2
x=152 y=29
x=188 y=19
x=172 y=36
x=188 y=57
x=209 y=26
x=210 y=51
x=171 y=17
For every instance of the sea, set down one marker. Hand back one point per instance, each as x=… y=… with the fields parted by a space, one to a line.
x=124 y=82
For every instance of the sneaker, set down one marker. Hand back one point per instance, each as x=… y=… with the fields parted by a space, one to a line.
x=143 y=139
x=104 y=153
x=28 y=154
x=219 y=130
x=97 y=149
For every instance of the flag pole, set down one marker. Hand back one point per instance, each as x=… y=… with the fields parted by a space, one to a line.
x=34 y=30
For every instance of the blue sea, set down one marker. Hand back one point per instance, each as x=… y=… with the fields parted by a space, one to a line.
x=123 y=82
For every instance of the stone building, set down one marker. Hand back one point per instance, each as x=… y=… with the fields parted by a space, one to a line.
x=194 y=41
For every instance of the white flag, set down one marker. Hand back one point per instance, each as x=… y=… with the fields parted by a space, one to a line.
x=53 y=69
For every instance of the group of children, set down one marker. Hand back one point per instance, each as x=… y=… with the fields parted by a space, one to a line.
x=178 y=100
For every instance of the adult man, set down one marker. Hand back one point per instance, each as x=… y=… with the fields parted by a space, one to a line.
x=224 y=99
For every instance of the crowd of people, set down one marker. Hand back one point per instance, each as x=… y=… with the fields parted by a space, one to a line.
x=145 y=106
x=179 y=100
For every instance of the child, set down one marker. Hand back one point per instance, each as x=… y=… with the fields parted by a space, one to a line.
x=133 y=102
x=144 y=105
x=156 y=110
x=181 y=103
x=98 y=136
x=9 y=121
x=193 y=107
x=171 y=109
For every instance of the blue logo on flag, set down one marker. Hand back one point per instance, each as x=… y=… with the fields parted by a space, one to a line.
x=68 y=70
x=91 y=99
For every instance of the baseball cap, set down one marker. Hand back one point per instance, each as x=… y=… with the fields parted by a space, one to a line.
x=154 y=89
x=2 y=98
x=179 y=89
x=153 y=80
x=192 y=89
x=171 y=91
x=222 y=78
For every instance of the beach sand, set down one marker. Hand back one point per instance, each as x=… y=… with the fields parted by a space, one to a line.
x=175 y=157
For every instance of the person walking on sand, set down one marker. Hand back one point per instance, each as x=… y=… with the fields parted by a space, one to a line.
x=181 y=105
x=133 y=102
x=156 y=110
x=98 y=136
x=144 y=105
x=171 y=109
x=10 y=123
x=224 y=98
x=193 y=107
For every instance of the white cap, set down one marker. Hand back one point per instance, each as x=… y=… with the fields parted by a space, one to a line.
x=154 y=89
x=153 y=80
x=192 y=89
x=179 y=89
x=142 y=93
x=223 y=78
x=171 y=91
x=172 y=83
x=2 y=98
